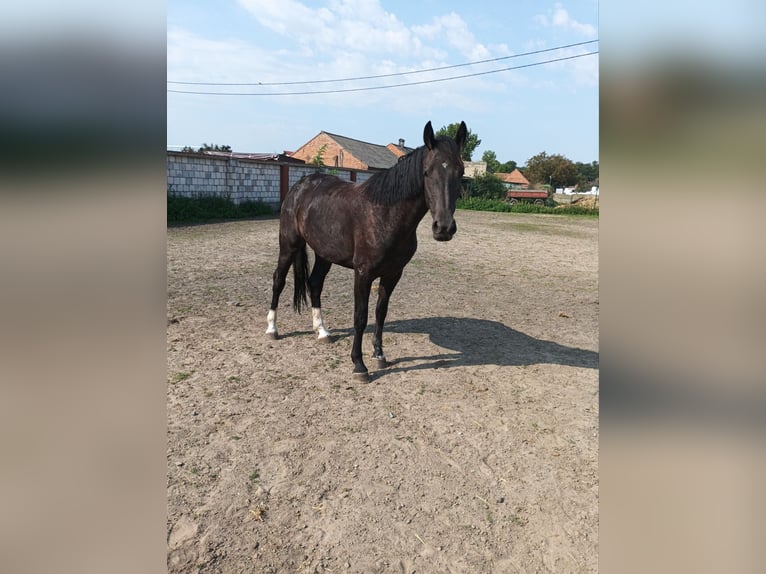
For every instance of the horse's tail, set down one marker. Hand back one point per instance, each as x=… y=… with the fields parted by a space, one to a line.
x=301 y=276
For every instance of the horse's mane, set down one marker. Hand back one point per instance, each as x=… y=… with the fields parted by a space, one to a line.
x=402 y=181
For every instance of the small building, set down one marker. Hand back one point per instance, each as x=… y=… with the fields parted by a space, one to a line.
x=344 y=152
x=514 y=180
x=474 y=169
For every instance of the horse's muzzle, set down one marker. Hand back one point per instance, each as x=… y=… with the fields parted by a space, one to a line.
x=442 y=233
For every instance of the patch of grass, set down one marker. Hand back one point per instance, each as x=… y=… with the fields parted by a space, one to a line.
x=543 y=229
x=255 y=477
x=178 y=377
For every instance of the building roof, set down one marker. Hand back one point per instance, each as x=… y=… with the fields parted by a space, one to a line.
x=514 y=177
x=283 y=157
x=374 y=155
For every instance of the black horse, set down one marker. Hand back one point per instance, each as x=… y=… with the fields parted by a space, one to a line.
x=370 y=228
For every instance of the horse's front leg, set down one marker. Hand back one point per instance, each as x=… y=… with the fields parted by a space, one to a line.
x=316 y=282
x=385 y=289
x=362 y=286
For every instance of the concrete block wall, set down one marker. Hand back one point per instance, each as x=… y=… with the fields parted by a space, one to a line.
x=297 y=172
x=195 y=175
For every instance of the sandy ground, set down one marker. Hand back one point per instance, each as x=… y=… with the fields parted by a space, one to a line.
x=476 y=451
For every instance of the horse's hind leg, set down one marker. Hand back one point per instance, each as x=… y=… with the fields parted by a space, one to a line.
x=385 y=288
x=362 y=285
x=286 y=256
x=316 y=283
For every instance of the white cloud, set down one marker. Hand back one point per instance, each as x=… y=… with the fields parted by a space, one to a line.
x=289 y=17
x=364 y=26
x=361 y=26
x=194 y=58
x=346 y=39
x=560 y=18
x=454 y=29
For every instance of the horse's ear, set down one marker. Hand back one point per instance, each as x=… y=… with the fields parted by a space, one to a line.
x=428 y=136
x=462 y=133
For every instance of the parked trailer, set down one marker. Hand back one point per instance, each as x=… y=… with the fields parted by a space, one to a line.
x=536 y=196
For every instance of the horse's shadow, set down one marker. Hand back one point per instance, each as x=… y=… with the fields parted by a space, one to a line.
x=481 y=342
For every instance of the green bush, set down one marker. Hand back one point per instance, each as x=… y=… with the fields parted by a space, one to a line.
x=487 y=186
x=483 y=204
x=209 y=208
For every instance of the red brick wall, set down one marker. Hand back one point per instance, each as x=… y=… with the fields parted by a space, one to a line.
x=395 y=150
x=308 y=151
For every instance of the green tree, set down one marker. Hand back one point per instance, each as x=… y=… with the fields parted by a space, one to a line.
x=472 y=140
x=493 y=165
x=556 y=170
x=507 y=167
x=206 y=147
x=214 y=147
x=588 y=175
x=318 y=159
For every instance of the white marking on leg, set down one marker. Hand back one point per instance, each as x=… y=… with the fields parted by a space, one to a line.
x=316 y=316
x=271 y=318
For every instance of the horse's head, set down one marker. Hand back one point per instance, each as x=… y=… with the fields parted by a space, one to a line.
x=443 y=170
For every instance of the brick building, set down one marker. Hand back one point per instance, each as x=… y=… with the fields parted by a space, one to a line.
x=514 y=180
x=344 y=152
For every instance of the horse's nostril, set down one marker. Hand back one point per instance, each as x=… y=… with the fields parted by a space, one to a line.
x=442 y=229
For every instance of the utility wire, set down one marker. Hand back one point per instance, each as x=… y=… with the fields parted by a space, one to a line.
x=383 y=87
x=306 y=82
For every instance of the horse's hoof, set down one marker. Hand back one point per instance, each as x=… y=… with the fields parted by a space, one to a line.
x=273 y=335
x=326 y=340
x=382 y=364
x=363 y=377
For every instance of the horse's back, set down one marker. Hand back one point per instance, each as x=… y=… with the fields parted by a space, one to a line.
x=323 y=209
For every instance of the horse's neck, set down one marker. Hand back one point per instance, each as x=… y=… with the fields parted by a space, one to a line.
x=409 y=213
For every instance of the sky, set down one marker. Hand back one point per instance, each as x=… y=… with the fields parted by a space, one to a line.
x=516 y=113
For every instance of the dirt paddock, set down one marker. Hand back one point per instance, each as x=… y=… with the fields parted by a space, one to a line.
x=475 y=451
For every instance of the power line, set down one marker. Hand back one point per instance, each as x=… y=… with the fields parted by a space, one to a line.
x=383 y=87
x=307 y=82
